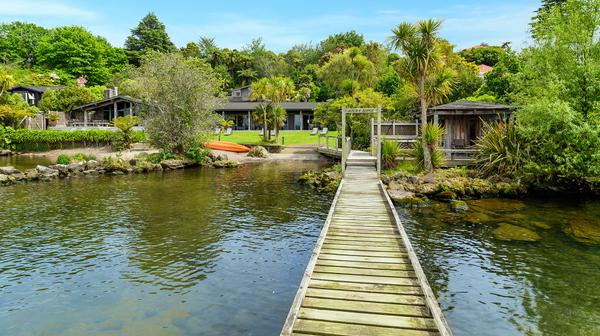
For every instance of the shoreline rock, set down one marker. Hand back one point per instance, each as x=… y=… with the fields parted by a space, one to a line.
x=110 y=166
x=450 y=185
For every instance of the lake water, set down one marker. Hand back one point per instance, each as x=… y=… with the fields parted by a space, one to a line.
x=23 y=162
x=488 y=286
x=222 y=252
x=194 y=252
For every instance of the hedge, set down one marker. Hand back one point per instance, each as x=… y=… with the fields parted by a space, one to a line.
x=24 y=139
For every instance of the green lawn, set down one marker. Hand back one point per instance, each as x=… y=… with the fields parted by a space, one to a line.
x=289 y=137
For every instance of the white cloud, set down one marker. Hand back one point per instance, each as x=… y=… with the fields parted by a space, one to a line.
x=37 y=8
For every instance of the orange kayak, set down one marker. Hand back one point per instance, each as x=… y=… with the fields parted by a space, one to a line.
x=227 y=146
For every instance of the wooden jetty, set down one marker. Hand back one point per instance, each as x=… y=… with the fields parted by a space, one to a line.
x=364 y=277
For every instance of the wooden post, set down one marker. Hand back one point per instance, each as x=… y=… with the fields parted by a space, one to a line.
x=379 y=141
x=130 y=109
x=301 y=121
x=318 y=140
x=343 y=142
x=435 y=119
x=115 y=110
x=85 y=118
x=249 y=128
x=372 y=136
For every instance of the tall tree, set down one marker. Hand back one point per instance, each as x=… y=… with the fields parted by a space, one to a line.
x=348 y=72
x=179 y=96
x=419 y=43
x=18 y=42
x=150 y=34
x=77 y=52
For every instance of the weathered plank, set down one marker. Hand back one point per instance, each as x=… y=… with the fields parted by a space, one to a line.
x=364 y=271
x=405 y=299
x=365 y=307
x=365 y=279
x=368 y=319
x=313 y=327
x=365 y=287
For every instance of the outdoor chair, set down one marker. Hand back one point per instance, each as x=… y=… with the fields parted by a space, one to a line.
x=314 y=131
x=217 y=131
x=262 y=132
x=324 y=131
x=229 y=131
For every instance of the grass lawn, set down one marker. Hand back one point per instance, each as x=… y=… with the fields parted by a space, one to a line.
x=289 y=137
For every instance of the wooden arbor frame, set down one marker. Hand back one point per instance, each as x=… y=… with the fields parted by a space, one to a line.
x=345 y=150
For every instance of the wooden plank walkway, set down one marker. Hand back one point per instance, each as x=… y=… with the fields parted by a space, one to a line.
x=364 y=277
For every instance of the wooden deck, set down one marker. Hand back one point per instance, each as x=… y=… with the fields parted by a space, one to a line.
x=363 y=277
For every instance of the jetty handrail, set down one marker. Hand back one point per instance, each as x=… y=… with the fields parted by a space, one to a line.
x=325 y=144
x=430 y=298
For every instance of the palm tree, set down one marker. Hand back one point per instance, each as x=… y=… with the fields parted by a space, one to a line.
x=419 y=44
x=282 y=89
x=261 y=90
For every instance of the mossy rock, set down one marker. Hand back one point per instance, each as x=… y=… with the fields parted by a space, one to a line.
x=509 y=232
x=446 y=196
x=258 y=152
x=500 y=205
x=477 y=218
x=540 y=225
x=583 y=230
x=459 y=206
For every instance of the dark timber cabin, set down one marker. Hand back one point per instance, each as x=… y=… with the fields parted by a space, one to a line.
x=463 y=120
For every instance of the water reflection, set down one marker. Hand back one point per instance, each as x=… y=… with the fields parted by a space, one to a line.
x=181 y=253
x=491 y=287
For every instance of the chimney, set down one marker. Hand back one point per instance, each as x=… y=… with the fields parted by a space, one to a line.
x=111 y=92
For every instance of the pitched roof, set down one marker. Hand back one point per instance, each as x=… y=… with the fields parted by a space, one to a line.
x=249 y=106
x=483 y=69
x=39 y=89
x=467 y=105
x=107 y=101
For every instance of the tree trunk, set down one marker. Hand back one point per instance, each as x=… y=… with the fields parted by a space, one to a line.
x=427 y=166
x=276 y=134
x=265 y=124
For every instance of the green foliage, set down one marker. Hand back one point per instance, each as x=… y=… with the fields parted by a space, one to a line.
x=77 y=52
x=179 y=97
x=149 y=35
x=125 y=125
x=160 y=156
x=77 y=157
x=437 y=157
x=488 y=55
x=561 y=147
x=348 y=71
x=67 y=99
x=342 y=40
x=197 y=153
x=389 y=153
x=432 y=137
x=64 y=159
x=6 y=137
x=50 y=139
x=19 y=41
x=13 y=109
x=500 y=150
x=500 y=82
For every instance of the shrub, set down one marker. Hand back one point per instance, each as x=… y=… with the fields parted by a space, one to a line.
x=55 y=139
x=125 y=125
x=500 y=150
x=63 y=159
x=437 y=157
x=389 y=153
x=197 y=153
x=433 y=136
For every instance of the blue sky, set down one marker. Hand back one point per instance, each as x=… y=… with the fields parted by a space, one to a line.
x=282 y=24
